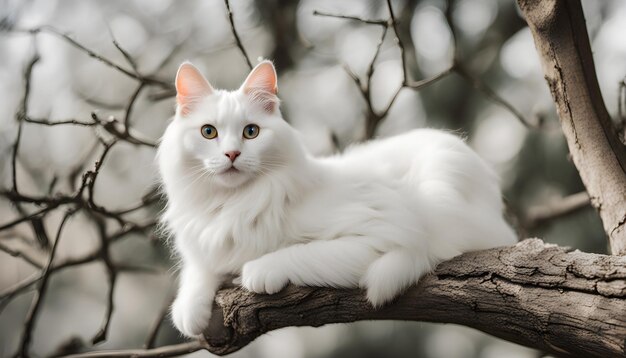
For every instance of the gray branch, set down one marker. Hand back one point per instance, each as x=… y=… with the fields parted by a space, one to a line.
x=535 y=294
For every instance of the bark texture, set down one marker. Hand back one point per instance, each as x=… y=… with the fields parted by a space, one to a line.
x=560 y=34
x=534 y=294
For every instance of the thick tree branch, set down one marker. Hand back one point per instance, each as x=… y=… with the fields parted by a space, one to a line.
x=534 y=294
x=560 y=35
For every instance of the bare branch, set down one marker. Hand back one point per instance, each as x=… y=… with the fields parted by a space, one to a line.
x=491 y=94
x=129 y=107
x=21 y=254
x=161 y=352
x=375 y=118
x=236 y=35
x=540 y=214
x=47 y=122
x=124 y=53
x=101 y=336
x=144 y=79
x=41 y=292
x=384 y=23
x=393 y=23
x=156 y=326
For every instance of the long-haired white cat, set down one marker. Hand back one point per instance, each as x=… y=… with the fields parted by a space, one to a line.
x=245 y=197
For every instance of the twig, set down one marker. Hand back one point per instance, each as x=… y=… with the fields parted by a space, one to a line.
x=101 y=336
x=145 y=79
x=393 y=23
x=384 y=23
x=22 y=219
x=124 y=53
x=540 y=214
x=156 y=326
x=41 y=291
x=161 y=352
x=47 y=122
x=21 y=254
x=129 y=107
x=236 y=35
x=491 y=94
x=76 y=261
x=375 y=118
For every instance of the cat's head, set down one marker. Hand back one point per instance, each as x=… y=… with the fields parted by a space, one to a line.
x=231 y=137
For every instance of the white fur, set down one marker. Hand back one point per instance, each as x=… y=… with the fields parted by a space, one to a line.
x=378 y=216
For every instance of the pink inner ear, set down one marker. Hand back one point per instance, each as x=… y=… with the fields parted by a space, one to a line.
x=262 y=77
x=261 y=86
x=191 y=86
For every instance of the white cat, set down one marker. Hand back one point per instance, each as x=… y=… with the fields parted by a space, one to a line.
x=244 y=197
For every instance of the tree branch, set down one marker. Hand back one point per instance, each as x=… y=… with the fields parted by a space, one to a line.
x=374 y=118
x=236 y=35
x=35 y=307
x=560 y=35
x=540 y=214
x=535 y=294
x=161 y=352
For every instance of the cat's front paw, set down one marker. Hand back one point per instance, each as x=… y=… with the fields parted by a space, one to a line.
x=263 y=276
x=190 y=316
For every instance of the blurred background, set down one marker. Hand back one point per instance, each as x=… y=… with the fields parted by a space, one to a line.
x=319 y=97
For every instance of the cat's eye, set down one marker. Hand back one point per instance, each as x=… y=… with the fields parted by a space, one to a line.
x=251 y=131
x=208 y=131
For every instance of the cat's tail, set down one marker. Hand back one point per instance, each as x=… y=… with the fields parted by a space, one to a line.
x=391 y=274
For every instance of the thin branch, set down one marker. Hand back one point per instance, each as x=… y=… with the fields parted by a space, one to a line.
x=124 y=53
x=22 y=255
x=540 y=214
x=31 y=316
x=491 y=94
x=22 y=219
x=47 y=122
x=7 y=295
x=101 y=336
x=158 y=322
x=375 y=118
x=393 y=23
x=145 y=79
x=417 y=85
x=384 y=23
x=90 y=257
x=129 y=107
x=161 y=352
x=236 y=35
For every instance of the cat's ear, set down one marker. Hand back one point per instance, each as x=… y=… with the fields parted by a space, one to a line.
x=191 y=87
x=261 y=86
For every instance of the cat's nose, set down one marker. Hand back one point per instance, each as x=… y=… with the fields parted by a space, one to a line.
x=232 y=155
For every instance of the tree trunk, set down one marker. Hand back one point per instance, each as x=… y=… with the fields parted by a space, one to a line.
x=534 y=294
x=560 y=34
